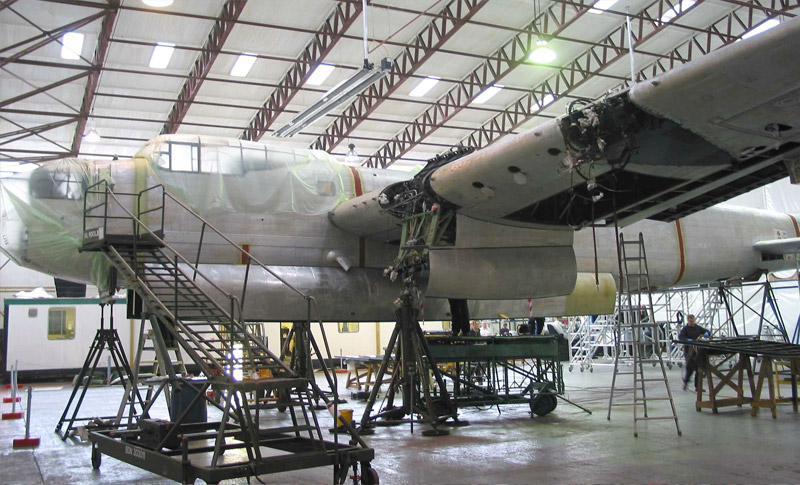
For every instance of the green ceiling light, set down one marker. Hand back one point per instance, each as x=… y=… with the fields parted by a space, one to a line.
x=542 y=55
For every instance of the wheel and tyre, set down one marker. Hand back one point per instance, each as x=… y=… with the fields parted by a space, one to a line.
x=369 y=476
x=97 y=457
x=543 y=404
x=283 y=399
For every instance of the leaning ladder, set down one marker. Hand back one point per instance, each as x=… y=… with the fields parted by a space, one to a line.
x=638 y=339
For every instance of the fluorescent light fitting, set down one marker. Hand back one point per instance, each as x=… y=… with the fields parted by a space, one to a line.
x=162 y=53
x=761 y=28
x=487 y=94
x=542 y=55
x=547 y=99
x=71 y=45
x=424 y=86
x=337 y=95
x=601 y=5
x=320 y=74
x=680 y=8
x=243 y=64
x=157 y=3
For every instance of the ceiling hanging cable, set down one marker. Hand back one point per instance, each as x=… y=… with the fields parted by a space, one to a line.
x=630 y=44
x=420 y=14
x=364 y=19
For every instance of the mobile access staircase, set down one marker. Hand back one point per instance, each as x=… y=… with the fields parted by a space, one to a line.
x=590 y=336
x=233 y=363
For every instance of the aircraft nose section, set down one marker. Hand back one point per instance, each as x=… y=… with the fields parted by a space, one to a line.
x=12 y=230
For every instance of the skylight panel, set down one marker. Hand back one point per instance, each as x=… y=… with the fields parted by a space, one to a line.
x=424 y=86
x=547 y=99
x=157 y=3
x=601 y=5
x=162 y=53
x=320 y=74
x=8 y=169
x=761 y=28
x=680 y=8
x=71 y=45
x=243 y=64
x=487 y=94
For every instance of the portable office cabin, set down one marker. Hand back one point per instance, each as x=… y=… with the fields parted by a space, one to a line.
x=50 y=338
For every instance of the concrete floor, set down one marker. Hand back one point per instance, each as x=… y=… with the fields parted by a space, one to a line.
x=509 y=447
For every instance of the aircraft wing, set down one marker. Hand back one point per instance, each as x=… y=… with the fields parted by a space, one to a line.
x=670 y=146
x=779 y=247
x=695 y=136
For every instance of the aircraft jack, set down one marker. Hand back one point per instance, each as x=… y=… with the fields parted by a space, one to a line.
x=105 y=339
x=412 y=359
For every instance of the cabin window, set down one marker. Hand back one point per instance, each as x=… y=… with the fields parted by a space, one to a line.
x=61 y=324
x=348 y=327
x=184 y=157
x=226 y=160
x=57 y=183
x=254 y=159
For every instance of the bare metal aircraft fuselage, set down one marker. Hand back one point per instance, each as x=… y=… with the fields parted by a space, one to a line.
x=277 y=205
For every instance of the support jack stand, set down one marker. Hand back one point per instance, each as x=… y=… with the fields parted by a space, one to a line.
x=412 y=361
x=105 y=339
x=301 y=362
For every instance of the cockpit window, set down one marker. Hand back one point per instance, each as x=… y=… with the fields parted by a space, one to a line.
x=180 y=157
x=57 y=183
x=194 y=157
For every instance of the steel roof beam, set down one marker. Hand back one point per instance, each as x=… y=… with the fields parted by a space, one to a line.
x=473 y=55
x=732 y=26
x=45 y=37
x=350 y=67
x=60 y=82
x=329 y=34
x=550 y=22
x=198 y=124
x=6 y=3
x=94 y=75
x=587 y=65
x=34 y=130
x=426 y=43
x=202 y=65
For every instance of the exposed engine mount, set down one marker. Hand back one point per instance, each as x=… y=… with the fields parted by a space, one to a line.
x=603 y=130
x=414 y=196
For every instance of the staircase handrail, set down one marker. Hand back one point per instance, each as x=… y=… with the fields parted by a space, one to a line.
x=139 y=224
x=310 y=300
x=244 y=252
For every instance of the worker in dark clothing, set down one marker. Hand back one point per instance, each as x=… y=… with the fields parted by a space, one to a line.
x=538 y=325
x=689 y=333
